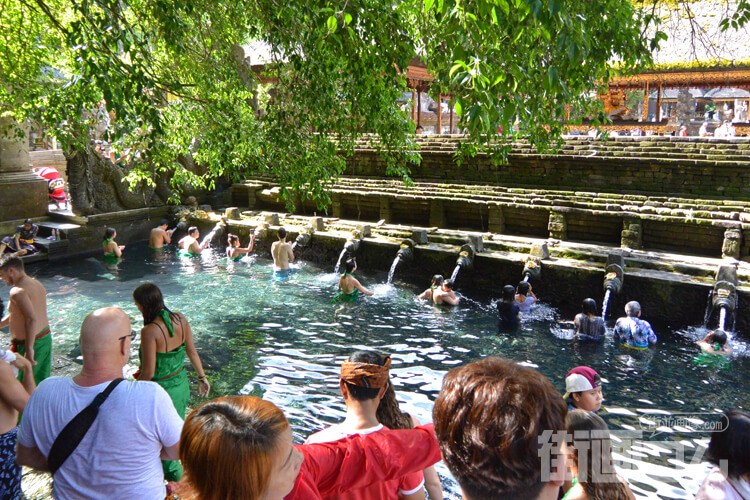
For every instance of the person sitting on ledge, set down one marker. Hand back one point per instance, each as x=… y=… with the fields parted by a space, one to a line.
x=160 y=235
x=437 y=282
x=189 y=246
x=445 y=295
x=241 y=447
x=112 y=251
x=500 y=427
x=715 y=343
x=234 y=252
x=22 y=241
x=632 y=331
x=350 y=286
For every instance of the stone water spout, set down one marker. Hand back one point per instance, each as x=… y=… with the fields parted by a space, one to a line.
x=350 y=248
x=613 y=278
x=260 y=230
x=724 y=294
x=532 y=267
x=405 y=253
x=465 y=260
x=302 y=239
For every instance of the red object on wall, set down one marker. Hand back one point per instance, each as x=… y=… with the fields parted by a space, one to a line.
x=56 y=184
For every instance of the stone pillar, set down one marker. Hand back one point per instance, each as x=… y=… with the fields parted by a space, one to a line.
x=632 y=234
x=496 y=219
x=385 y=209
x=336 y=208
x=23 y=194
x=644 y=113
x=685 y=106
x=732 y=244
x=658 y=105
x=439 y=115
x=437 y=213
x=557 y=226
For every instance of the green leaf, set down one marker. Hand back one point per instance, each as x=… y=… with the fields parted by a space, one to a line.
x=459 y=108
x=504 y=6
x=493 y=12
x=347 y=18
x=332 y=24
x=428 y=4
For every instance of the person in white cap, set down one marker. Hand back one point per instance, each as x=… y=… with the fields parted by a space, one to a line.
x=583 y=389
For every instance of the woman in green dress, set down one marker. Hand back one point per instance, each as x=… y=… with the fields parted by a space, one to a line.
x=112 y=251
x=165 y=339
x=349 y=286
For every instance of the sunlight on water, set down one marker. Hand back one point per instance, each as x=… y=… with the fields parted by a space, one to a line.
x=284 y=340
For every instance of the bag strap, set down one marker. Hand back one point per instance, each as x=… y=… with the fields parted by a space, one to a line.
x=73 y=433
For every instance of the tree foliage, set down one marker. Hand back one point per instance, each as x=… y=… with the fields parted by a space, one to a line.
x=173 y=73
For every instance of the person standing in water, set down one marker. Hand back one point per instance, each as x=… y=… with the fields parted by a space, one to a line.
x=715 y=343
x=160 y=235
x=112 y=251
x=632 y=331
x=508 y=310
x=282 y=252
x=189 y=245
x=350 y=286
x=444 y=294
x=234 y=252
x=589 y=325
x=165 y=339
x=27 y=317
x=436 y=283
x=525 y=297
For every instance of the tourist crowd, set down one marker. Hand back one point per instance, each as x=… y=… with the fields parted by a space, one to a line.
x=502 y=429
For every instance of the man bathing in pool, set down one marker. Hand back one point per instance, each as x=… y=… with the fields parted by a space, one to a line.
x=282 y=252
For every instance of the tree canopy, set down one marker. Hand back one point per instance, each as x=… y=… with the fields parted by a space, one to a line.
x=173 y=72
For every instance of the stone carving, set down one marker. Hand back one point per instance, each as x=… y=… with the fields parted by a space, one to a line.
x=632 y=234
x=685 y=105
x=614 y=105
x=741 y=114
x=732 y=244
x=557 y=226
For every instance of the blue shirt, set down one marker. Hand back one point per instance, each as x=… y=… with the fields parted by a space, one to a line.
x=634 y=332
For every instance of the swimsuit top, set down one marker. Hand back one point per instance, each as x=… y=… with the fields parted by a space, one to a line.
x=168 y=363
x=110 y=255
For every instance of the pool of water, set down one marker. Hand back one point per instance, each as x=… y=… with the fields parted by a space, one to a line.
x=284 y=340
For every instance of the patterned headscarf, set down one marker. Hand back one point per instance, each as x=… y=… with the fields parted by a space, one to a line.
x=366 y=374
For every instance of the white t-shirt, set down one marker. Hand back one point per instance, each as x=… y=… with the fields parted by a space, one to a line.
x=119 y=456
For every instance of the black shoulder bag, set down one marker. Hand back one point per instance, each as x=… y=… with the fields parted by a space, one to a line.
x=72 y=435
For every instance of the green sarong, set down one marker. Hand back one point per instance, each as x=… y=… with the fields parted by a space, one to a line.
x=345 y=297
x=713 y=361
x=170 y=373
x=42 y=354
x=191 y=255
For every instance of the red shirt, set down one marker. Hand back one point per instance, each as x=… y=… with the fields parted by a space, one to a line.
x=361 y=460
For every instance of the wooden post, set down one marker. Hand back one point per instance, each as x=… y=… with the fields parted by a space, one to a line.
x=567 y=113
x=658 y=105
x=644 y=113
x=450 y=126
x=419 y=107
x=413 y=106
x=440 y=114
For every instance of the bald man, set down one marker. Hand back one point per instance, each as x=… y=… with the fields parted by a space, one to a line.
x=136 y=427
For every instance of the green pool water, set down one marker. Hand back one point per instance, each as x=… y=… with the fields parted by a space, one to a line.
x=284 y=340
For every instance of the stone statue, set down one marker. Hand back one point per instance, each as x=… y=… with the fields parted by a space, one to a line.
x=614 y=105
x=741 y=112
x=732 y=243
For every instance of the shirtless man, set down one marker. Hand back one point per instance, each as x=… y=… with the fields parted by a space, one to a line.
x=160 y=235
x=189 y=244
x=27 y=317
x=444 y=294
x=282 y=252
x=13 y=398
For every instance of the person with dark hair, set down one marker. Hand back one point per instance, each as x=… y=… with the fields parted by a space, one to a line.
x=525 y=297
x=444 y=294
x=588 y=448
x=160 y=235
x=282 y=253
x=419 y=129
x=27 y=317
x=363 y=383
x=390 y=415
x=728 y=452
x=437 y=282
x=234 y=251
x=508 y=310
x=189 y=246
x=496 y=423
x=349 y=286
x=241 y=447
x=583 y=389
x=165 y=339
x=112 y=251
x=715 y=342
x=22 y=241
x=632 y=331
x=589 y=325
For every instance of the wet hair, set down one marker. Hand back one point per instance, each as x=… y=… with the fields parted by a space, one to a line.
x=448 y=284
x=489 y=417
x=164 y=222
x=719 y=337
x=729 y=444
x=509 y=293
x=389 y=413
x=350 y=265
x=437 y=280
x=523 y=288
x=11 y=262
x=632 y=308
x=191 y=230
x=364 y=393
x=109 y=233
x=226 y=448
x=149 y=297
x=282 y=233
x=589 y=307
x=232 y=238
x=589 y=435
